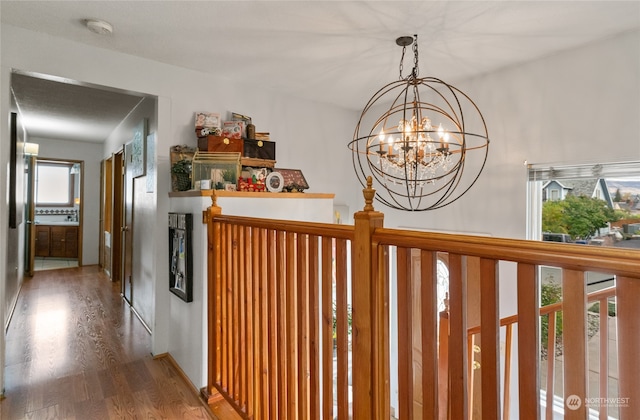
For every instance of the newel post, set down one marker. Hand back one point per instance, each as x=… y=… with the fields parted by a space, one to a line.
x=210 y=393
x=370 y=322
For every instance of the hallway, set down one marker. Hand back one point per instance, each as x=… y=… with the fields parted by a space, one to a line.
x=74 y=350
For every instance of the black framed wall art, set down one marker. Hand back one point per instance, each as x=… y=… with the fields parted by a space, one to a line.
x=180 y=255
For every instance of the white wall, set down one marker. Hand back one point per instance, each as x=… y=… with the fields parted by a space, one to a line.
x=91 y=154
x=309 y=136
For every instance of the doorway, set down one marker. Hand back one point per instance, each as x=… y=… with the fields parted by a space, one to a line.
x=112 y=221
x=55 y=204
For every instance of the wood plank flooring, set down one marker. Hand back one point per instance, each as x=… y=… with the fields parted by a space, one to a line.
x=74 y=350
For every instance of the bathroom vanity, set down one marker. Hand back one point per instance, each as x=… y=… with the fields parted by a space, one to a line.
x=57 y=239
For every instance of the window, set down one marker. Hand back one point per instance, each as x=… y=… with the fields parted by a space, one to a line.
x=555 y=195
x=54 y=184
x=443 y=284
x=617 y=184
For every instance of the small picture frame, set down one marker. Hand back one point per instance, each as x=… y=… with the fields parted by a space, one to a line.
x=274 y=182
x=180 y=255
x=207 y=120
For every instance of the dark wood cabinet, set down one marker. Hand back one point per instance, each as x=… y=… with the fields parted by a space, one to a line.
x=42 y=241
x=57 y=241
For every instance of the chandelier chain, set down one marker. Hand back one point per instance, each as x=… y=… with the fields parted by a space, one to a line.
x=404 y=48
x=414 y=73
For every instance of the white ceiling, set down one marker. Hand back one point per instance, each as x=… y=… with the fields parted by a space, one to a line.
x=338 y=52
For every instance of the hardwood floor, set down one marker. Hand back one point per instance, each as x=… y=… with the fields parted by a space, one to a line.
x=74 y=350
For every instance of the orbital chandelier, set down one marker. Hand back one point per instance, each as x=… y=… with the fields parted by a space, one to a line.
x=427 y=143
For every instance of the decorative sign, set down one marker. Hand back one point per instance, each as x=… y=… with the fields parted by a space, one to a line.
x=180 y=258
x=151 y=162
x=138 y=152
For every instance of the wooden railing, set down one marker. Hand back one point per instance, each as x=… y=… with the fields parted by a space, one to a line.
x=603 y=297
x=272 y=285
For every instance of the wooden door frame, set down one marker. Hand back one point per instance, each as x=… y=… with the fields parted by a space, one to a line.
x=31 y=225
x=117 y=214
x=101 y=221
x=127 y=226
x=80 y=196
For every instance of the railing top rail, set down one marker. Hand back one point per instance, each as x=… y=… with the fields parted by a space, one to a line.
x=554 y=307
x=619 y=261
x=309 y=228
x=591 y=297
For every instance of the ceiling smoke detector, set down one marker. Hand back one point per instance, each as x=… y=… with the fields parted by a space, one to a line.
x=100 y=27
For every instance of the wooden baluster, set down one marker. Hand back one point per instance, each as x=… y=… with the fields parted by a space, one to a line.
x=302 y=265
x=604 y=356
x=551 y=362
x=574 y=331
x=292 y=326
x=227 y=305
x=327 y=328
x=342 y=385
x=528 y=343
x=405 y=334
x=272 y=293
x=458 y=395
x=282 y=286
x=314 y=329
x=256 y=323
x=247 y=368
x=506 y=406
x=471 y=341
x=263 y=295
x=628 y=318
x=443 y=362
x=429 y=324
x=380 y=372
x=234 y=390
x=490 y=339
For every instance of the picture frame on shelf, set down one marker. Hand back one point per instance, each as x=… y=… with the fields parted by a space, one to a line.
x=208 y=119
x=274 y=182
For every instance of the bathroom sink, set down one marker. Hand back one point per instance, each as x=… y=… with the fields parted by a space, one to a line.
x=57 y=223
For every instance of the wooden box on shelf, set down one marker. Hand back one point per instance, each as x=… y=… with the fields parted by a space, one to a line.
x=260 y=149
x=220 y=144
x=257 y=163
